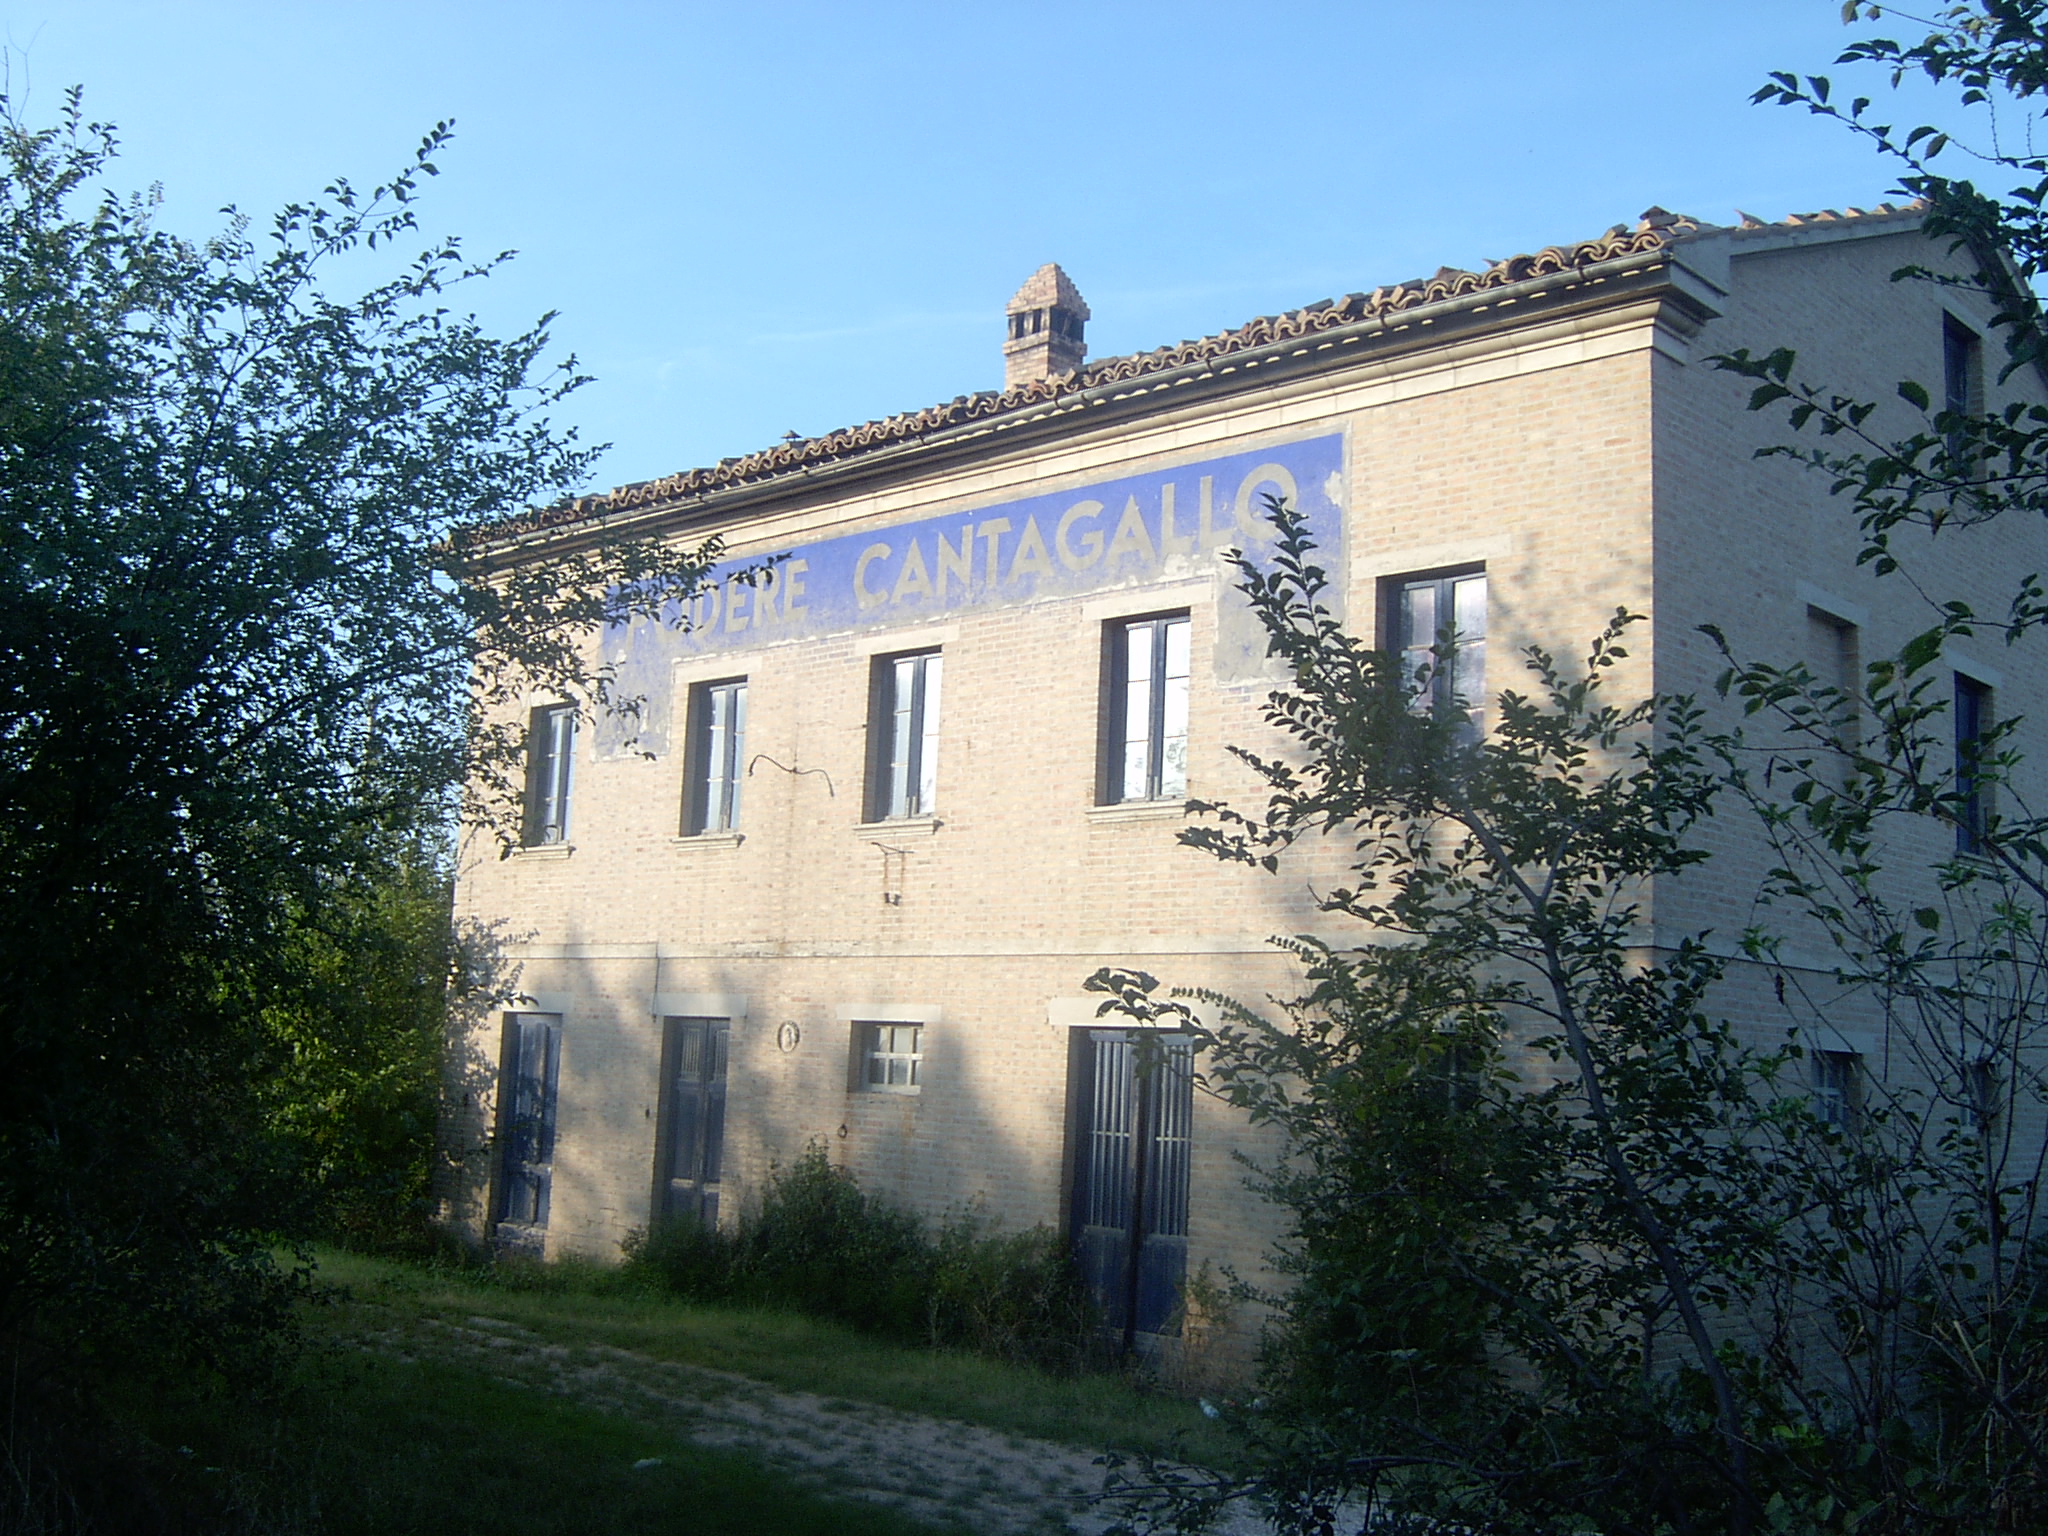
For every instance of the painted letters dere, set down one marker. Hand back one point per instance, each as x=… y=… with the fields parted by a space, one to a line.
x=1162 y=525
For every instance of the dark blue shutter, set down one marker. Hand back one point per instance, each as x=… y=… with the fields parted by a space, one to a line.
x=1131 y=1176
x=694 y=1117
x=526 y=1131
x=1162 y=1250
x=1105 y=1190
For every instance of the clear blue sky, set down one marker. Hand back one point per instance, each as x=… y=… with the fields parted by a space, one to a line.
x=758 y=216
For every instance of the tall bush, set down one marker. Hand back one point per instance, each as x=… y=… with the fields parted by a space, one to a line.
x=822 y=1245
x=232 y=654
x=1565 y=1252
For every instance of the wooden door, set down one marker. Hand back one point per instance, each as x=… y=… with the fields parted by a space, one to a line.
x=526 y=1125
x=693 y=1118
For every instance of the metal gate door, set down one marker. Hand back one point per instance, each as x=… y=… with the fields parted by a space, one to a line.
x=526 y=1127
x=1131 y=1175
x=693 y=1118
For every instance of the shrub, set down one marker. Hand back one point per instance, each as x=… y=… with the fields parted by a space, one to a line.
x=822 y=1245
x=684 y=1258
x=1015 y=1295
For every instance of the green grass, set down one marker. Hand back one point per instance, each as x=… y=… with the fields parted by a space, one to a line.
x=578 y=1305
x=391 y=1423
x=365 y=1446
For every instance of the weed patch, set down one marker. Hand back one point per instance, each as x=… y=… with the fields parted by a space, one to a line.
x=825 y=1247
x=581 y=1307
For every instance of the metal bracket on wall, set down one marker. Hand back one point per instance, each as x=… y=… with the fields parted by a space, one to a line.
x=895 y=861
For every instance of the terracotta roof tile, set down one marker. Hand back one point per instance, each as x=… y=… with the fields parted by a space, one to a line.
x=1656 y=230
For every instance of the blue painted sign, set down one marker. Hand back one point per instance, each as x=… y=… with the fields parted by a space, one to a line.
x=1161 y=525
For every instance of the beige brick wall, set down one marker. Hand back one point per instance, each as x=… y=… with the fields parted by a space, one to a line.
x=1752 y=544
x=1586 y=466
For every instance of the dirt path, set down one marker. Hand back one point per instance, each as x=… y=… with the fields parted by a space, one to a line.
x=931 y=1469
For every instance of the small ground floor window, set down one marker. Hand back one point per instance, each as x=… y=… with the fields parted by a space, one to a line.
x=890 y=1056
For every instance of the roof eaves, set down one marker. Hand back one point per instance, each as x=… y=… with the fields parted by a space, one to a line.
x=1287 y=342
x=1448 y=291
x=1754 y=235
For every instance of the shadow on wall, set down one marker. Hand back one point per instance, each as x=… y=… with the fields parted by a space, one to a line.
x=483 y=982
x=986 y=1143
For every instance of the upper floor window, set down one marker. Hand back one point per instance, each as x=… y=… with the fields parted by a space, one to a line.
x=1984 y=1086
x=1962 y=385
x=1973 y=720
x=1438 y=627
x=717 y=758
x=1146 y=710
x=1837 y=1095
x=903 y=735
x=1962 y=367
x=550 y=760
x=1833 y=656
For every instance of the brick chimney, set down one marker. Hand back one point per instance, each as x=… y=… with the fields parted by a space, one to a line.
x=1047 y=317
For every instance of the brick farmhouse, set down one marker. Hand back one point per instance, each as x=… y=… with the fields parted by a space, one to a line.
x=884 y=811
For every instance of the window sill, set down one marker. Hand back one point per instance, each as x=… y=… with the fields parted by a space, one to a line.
x=1139 y=810
x=709 y=840
x=899 y=826
x=889 y=1090
x=544 y=851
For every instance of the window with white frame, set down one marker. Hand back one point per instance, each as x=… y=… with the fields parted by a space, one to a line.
x=717 y=757
x=889 y=1055
x=1147 y=664
x=550 y=761
x=903 y=735
x=1436 y=624
x=1962 y=389
x=1836 y=1088
x=1962 y=367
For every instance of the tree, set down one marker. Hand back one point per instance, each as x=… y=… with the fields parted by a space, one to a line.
x=1875 y=1349
x=242 y=662
x=1563 y=1247
x=1530 y=1177
x=356 y=1033
x=1960 y=966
